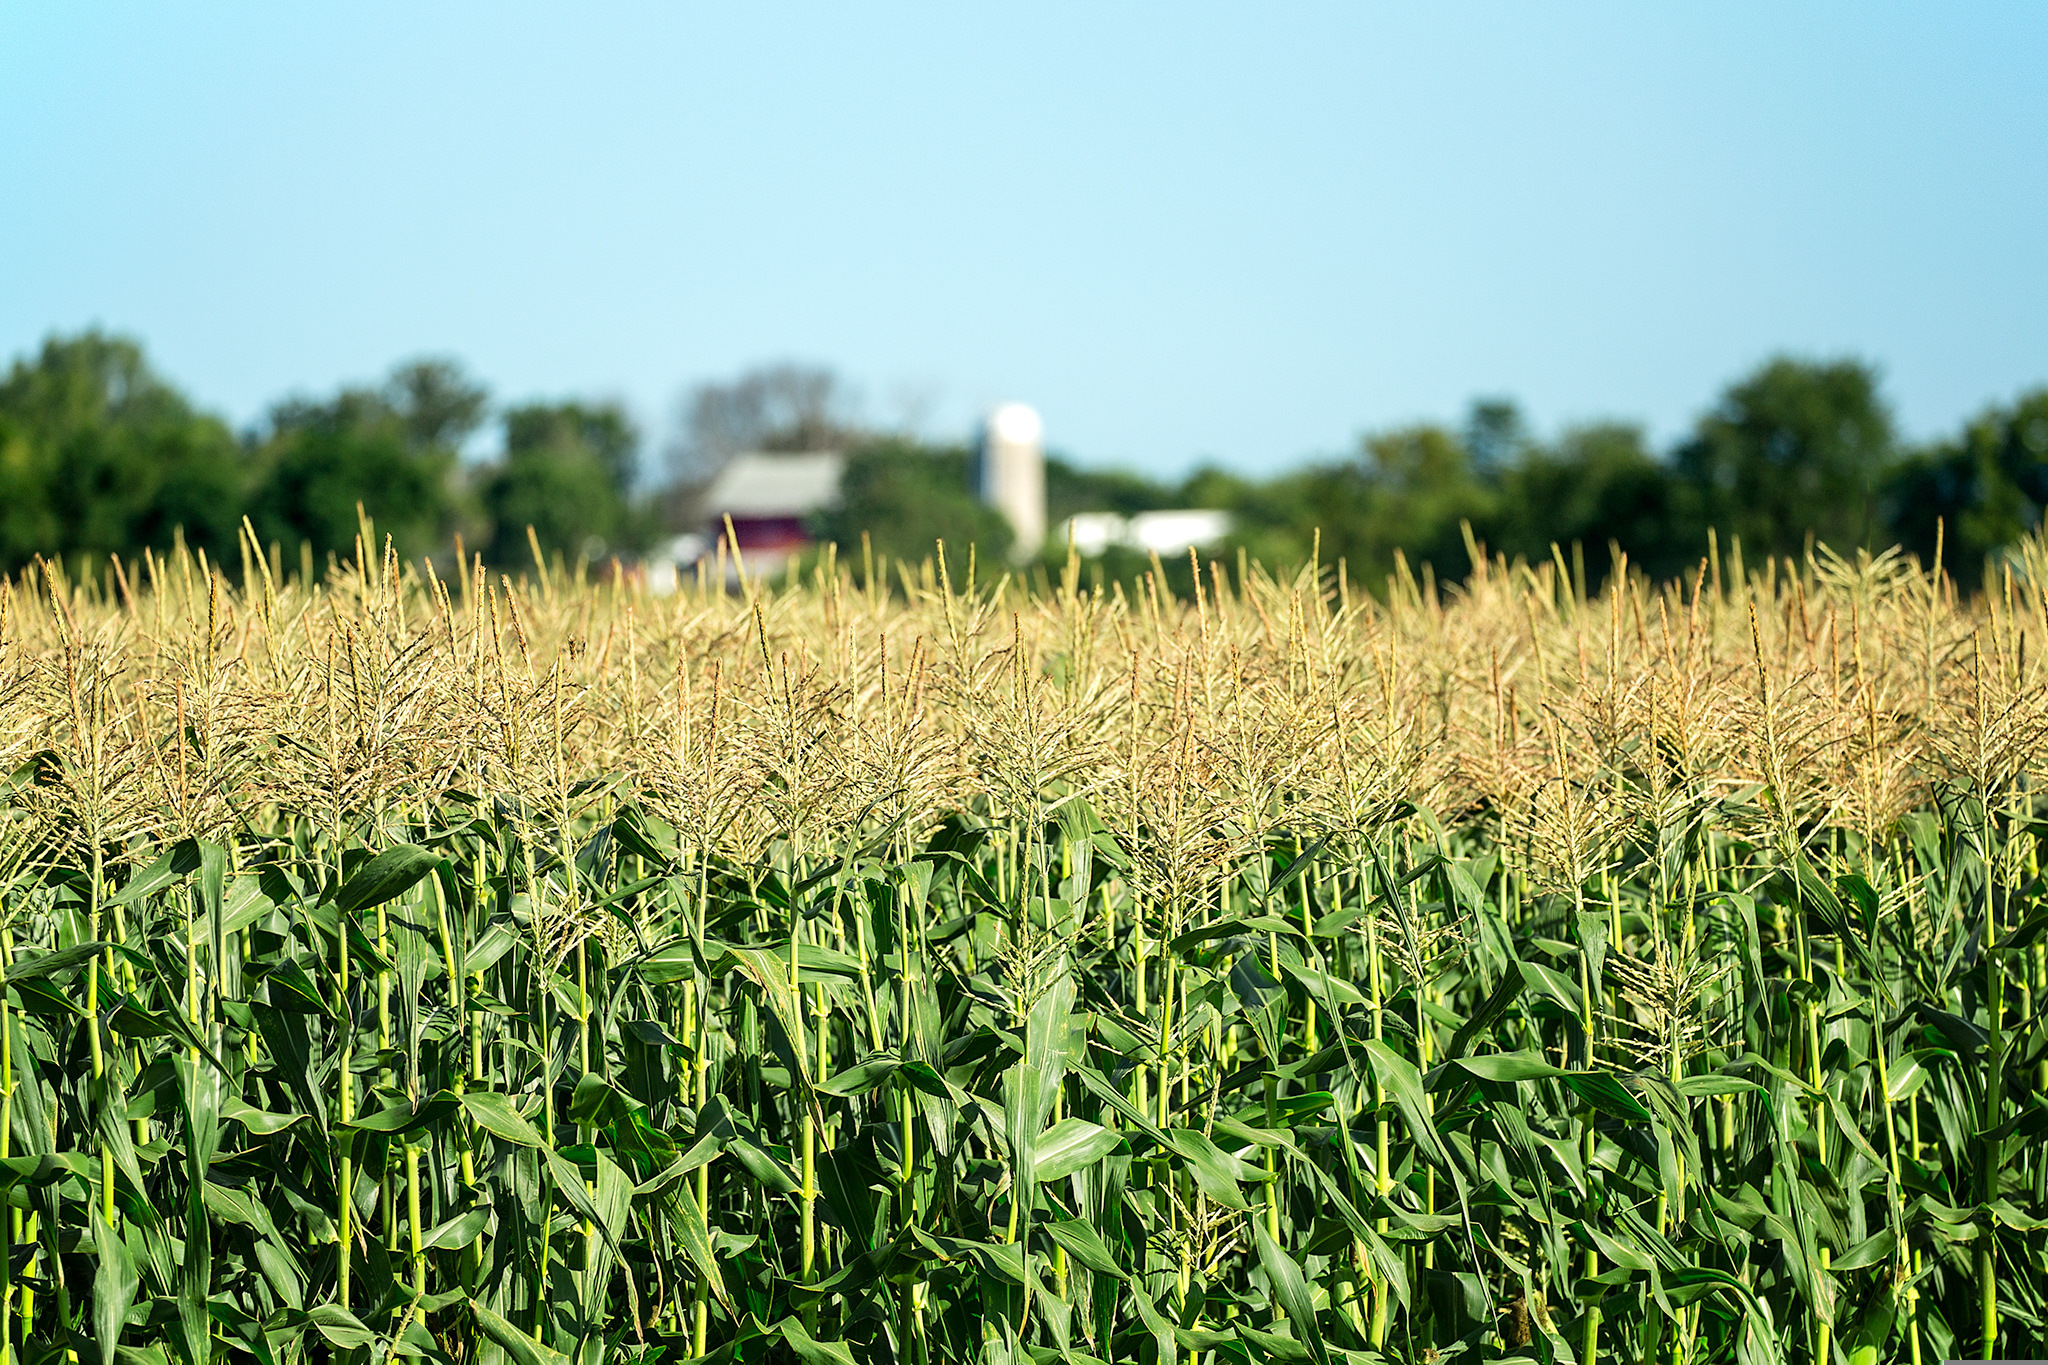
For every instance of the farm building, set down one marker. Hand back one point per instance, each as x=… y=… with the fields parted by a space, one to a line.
x=771 y=500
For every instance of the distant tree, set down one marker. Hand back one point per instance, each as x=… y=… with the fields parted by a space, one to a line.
x=1597 y=484
x=601 y=431
x=1408 y=490
x=1795 y=447
x=1276 y=520
x=1495 y=434
x=1984 y=488
x=907 y=497
x=98 y=454
x=392 y=449
x=568 y=472
x=1424 y=489
x=439 y=404
x=775 y=407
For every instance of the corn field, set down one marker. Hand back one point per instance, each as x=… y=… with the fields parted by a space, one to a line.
x=881 y=966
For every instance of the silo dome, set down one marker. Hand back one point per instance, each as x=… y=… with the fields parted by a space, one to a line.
x=1016 y=424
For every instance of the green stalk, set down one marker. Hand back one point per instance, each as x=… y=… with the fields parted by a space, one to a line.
x=1383 y=1180
x=346 y=1111
x=458 y=1002
x=808 y=1250
x=544 y=1046
x=1139 y=999
x=390 y=1209
x=412 y=1214
x=1994 y=1104
x=92 y=1014
x=584 y=1131
x=1589 y=1342
x=701 y=1068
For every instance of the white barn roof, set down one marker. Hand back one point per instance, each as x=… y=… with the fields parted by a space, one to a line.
x=767 y=485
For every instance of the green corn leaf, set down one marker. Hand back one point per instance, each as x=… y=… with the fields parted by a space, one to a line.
x=691 y=1229
x=176 y=863
x=812 y=1352
x=400 y=1119
x=863 y=1076
x=384 y=878
x=1488 y=1014
x=1272 y=1346
x=1216 y=1171
x=494 y=1113
x=520 y=1346
x=1506 y=1067
x=114 y=1287
x=1070 y=1145
x=37 y=966
x=458 y=1231
x=1404 y=1083
x=1083 y=1244
x=1606 y=1094
x=258 y=1122
x=1290 y=1290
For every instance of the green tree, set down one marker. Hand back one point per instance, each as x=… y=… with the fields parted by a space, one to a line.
x=1983 y=488
x=1495 y=434
x=1424 y=488
x=1597 y=485
x=392 y=449
x=907 y=497
x=440 y=406
x=98 y=454
x=1796 y=447
x=567 y=472
x=1409 y=490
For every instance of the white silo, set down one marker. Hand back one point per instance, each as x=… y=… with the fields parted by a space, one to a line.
x=1013 y=474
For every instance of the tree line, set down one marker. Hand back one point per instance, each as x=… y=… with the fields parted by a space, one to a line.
x=99 y=454
x=1795 y=451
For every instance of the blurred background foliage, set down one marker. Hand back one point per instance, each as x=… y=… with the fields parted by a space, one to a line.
x=99 y=453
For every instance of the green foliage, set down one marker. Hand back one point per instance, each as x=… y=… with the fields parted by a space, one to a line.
x=1794 y=449
x=1071 y=489
x=99 y=455
x=1797 y=448
x=393 y=450
x=1597 y=484
x=1977 y=492
x=568 y=473
x=320 y=460
x=906 y=497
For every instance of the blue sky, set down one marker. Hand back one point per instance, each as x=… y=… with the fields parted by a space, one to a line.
x=1242 y=233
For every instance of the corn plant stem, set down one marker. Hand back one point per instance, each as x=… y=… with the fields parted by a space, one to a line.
x=412 y=1214
x=1383 y=1178
x=1589 y=1340
x=345 y=1107
x=700 y=1069
x=92 y=1014
x=22 y=1223
x=538 y=990
x=459 y=1036
x=1988 y=1193
x=808 y=1248
x=583 y=1130
x=1139 y=1001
